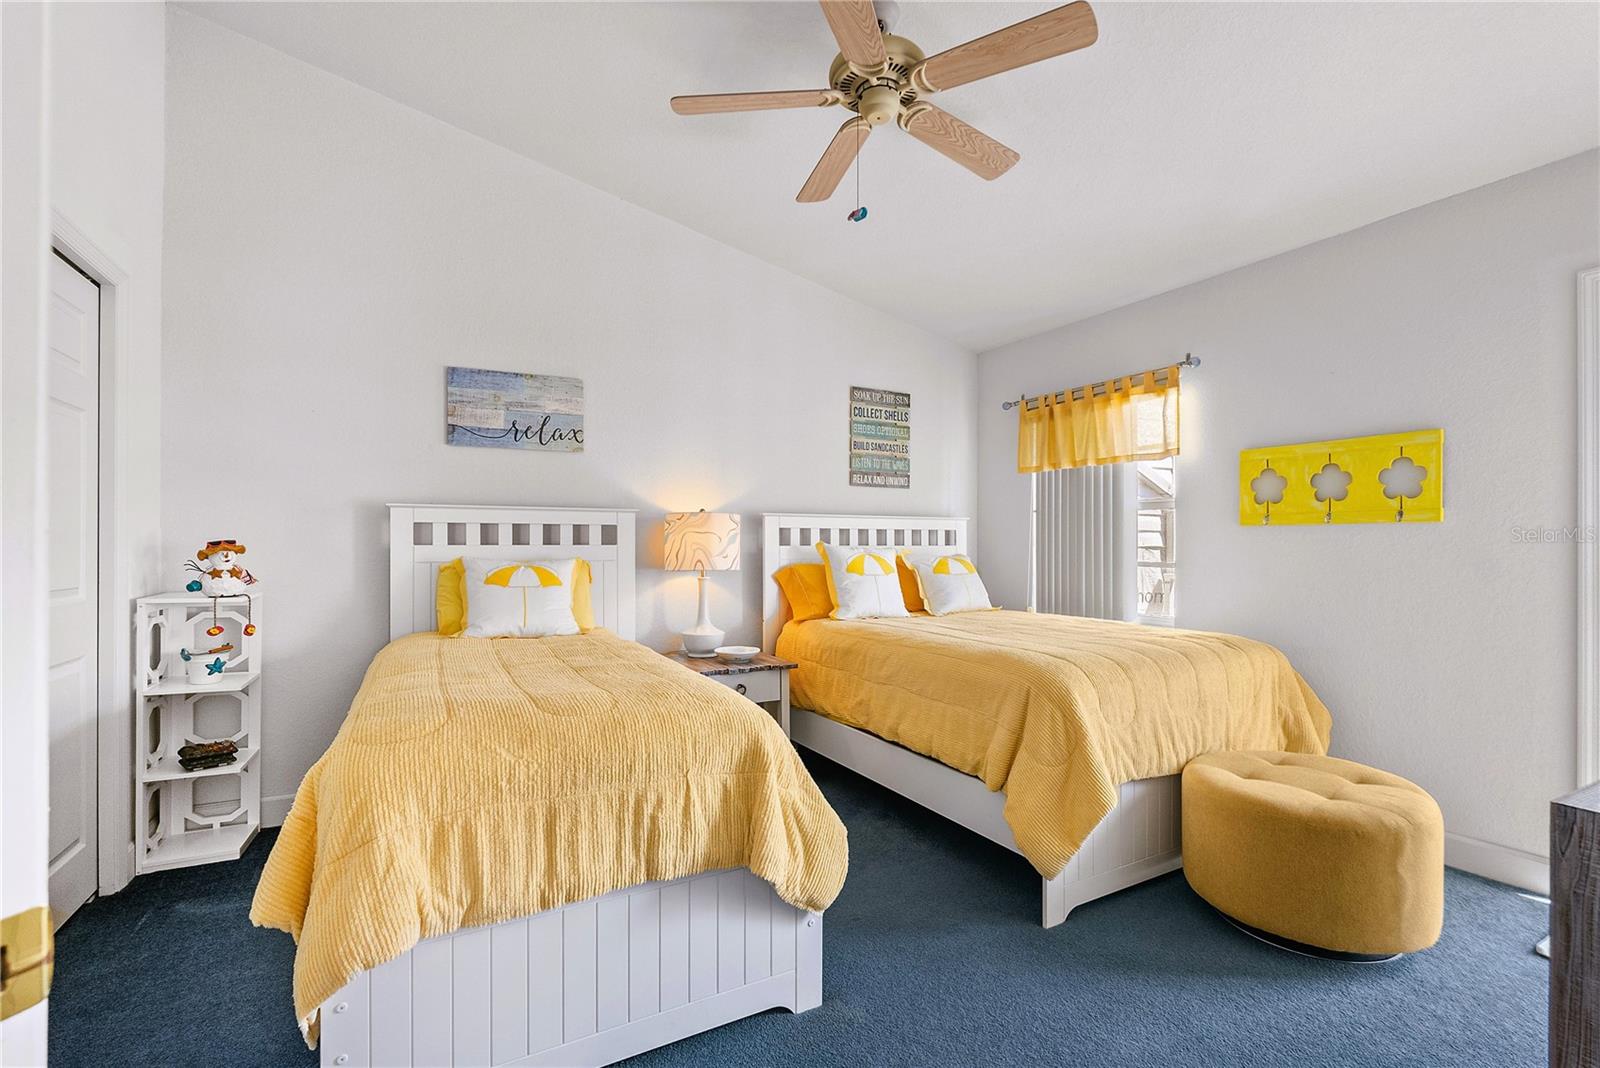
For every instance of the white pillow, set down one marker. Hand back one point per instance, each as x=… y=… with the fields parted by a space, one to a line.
x=519 y=599
x=863 y=583
x=949 y=582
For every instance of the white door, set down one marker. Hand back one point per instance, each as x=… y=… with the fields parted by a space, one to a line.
x=72 y=422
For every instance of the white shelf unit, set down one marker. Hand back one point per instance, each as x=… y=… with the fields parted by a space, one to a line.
x=195 y=817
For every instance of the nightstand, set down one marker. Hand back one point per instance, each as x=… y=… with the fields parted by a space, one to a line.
x=764 y=680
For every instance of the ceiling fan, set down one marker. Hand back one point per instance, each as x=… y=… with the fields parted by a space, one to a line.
x=881 y=76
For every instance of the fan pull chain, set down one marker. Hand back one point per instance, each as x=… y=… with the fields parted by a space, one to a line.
x=861 y=211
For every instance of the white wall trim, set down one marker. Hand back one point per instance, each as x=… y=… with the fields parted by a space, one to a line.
x=114 y=761
x=1588 y=526
x=1500 y=863
x=275 y=809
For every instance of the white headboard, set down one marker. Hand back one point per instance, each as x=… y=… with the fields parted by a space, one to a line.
x=423 y=536
x=791 y=539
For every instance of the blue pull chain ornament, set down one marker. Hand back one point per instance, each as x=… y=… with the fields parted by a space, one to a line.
x=857 y=215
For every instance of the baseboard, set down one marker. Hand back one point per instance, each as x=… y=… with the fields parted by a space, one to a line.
x=1500 y=863
x=274 y=810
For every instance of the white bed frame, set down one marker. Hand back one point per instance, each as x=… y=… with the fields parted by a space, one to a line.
x=597 y=980
x=1138 y=839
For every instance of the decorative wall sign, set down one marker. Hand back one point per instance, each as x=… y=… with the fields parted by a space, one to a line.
x=1386 y=478
x=511 y=410
x=880 y=438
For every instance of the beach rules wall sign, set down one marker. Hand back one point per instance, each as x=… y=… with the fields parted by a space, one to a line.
x=880 y=438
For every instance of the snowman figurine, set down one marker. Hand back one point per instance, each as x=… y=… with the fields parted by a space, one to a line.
x=220 y=575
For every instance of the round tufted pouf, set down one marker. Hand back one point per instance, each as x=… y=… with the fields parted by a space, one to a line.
x=1315 y=850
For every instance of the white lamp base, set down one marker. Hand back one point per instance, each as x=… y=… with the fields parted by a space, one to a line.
x=702 y=643
x=701 y=640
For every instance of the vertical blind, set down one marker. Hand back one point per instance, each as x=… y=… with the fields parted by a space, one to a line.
x=1084 y=542
x=1130 y=418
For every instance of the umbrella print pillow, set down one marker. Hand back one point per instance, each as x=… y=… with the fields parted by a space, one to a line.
x=864 y=584
x=949 y=582
x=526 y=599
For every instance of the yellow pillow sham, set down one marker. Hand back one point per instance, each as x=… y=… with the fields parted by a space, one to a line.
x=910 y=589
x=450 y=599
x=582 y=603
x=805 y=586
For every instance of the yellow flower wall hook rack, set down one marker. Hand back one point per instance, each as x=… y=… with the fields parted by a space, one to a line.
x=1384 y=478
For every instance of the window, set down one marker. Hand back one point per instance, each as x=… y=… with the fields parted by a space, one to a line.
x=1156 y=560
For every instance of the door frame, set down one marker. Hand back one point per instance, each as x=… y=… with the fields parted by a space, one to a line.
x=24 y=285
x=1588 y=526
x=114 y=779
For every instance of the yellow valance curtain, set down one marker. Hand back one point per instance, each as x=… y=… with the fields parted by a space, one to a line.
x=1130 y=418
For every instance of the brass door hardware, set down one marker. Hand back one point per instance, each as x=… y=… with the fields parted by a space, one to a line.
x=27 y=960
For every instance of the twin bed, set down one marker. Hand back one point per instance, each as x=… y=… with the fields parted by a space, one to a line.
x=568 y=850
x=411 y=866
x=1059 y=738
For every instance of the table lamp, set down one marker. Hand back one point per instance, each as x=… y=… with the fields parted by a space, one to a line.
x=702 y=541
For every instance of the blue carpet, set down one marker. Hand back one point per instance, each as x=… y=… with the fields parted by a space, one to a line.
x=933 y=956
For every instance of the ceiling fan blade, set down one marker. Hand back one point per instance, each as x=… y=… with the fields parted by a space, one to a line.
x=841 y=152
x=855 y=26
x=713 y=103
x=949 y=136
x=1055 y=33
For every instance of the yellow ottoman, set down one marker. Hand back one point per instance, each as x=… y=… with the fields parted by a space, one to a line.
x=1315 y=850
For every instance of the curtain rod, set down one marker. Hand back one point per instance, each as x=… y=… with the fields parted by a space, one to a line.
x=1187 y=361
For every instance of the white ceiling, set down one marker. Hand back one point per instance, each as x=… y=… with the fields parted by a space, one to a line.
x=1190 y=140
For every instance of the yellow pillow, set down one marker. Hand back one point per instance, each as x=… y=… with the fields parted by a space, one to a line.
x=582 y=605
x=909 y=588
x=450 y=601
x=805 y=586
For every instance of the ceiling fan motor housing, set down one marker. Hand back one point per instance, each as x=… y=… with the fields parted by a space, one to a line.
x=879 y=104
x=879 y=95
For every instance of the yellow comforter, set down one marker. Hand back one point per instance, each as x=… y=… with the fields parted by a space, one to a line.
x=479 y=780
x=1057 y=711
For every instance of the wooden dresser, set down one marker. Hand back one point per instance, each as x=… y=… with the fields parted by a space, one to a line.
x=1575 y=929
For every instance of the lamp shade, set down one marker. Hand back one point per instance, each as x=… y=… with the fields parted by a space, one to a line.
x=697 y=541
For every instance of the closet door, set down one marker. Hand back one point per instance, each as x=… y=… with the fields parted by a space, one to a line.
x=72 y=458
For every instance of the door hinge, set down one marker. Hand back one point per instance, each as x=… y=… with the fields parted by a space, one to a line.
x=27 y=960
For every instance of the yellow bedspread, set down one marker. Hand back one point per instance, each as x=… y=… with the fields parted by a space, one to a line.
x=1057 y=711
x=479 y=780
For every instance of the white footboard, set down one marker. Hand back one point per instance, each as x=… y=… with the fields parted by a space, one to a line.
x=586 y=984
x=1138 y=840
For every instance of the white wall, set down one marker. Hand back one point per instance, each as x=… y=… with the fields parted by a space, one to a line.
x=330 y=252
x=1446 y=652
x=107 y=139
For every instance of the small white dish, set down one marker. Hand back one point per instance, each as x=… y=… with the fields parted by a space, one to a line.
x=737 y=654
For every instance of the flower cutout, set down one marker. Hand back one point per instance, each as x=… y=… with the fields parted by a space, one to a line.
x=1268 y=487
x=1332 y=483
x=1403 y=478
